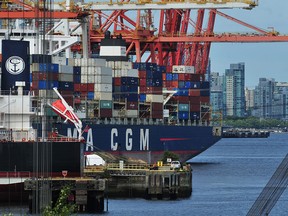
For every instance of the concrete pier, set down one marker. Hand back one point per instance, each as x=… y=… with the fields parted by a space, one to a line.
x=140 y=180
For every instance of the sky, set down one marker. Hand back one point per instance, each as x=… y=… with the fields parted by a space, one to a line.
x=262 y=60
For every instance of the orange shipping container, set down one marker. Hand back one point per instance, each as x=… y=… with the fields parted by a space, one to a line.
x=194 y=92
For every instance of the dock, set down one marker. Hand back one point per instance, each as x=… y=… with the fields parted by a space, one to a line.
x=87 y=194
x=144 y=181
x=245 y=133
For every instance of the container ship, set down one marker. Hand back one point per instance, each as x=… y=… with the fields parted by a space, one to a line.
x=133 y=110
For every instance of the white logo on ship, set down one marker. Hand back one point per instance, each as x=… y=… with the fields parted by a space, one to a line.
x=15 y=65
x=115 y=145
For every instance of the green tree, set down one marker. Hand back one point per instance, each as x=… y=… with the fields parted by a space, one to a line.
x=62 y=207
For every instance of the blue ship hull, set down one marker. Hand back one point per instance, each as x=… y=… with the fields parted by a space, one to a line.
x=145 y=142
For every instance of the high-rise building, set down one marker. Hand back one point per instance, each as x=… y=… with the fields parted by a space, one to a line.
x=249 y=98
x=233 y=89
x=263 y=98
x=216 y=92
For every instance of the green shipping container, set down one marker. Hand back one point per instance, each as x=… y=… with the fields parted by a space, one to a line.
x=183 y=107
x=106 y=104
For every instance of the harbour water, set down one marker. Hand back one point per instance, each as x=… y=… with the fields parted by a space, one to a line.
x=227 y=179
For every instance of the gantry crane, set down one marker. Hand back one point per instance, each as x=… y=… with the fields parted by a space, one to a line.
x=180 y=38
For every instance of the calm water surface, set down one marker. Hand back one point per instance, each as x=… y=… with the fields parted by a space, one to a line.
x=227 y=179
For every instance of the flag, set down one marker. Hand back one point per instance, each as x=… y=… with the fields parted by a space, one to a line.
x=86 y=129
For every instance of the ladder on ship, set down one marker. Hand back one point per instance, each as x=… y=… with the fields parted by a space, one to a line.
x=272 y=191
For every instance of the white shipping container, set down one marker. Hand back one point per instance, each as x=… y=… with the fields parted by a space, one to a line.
x=118 y=64
x=43 y=93
x=183 y=69
x=132 y=113
x=102 y=95
x=116 y=73
x=65 y=69
x=84 y=62
x=35 y=67
x=106 y=71
x=110 y=64
x=84 y=78
x=59 y=60
x=100 y=62
x=133 y=73
x=71 y=62
x=84 y=70
x=103 y=79
x=154 y=98
x=126 y=65
x=102 y=87
x=77 y=62
x=91 y=71
x=65 y=77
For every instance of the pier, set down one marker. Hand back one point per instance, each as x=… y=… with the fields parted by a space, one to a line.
x=144 y=181
x=87 y=194
x=245 y=133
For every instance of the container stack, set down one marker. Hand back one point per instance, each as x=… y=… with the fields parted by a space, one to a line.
x=44 y=75
x=151 y=88
x=95 y=84
x=125 y=89
x=191 y=89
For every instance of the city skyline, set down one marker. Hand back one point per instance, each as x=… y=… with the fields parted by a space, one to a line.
x=262 y=60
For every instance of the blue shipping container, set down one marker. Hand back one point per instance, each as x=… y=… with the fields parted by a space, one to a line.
x=183 y=115
x=175 y=76
x=67 y=86
x=77 y=70
x=90 y=95
x=169 y=76
x=204 y=85
x=183 y=92
x=195 y=85
x=132 y=97
x=44 y=84
x=142 y=97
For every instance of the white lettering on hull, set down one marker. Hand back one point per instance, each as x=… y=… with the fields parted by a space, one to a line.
x=114 y=145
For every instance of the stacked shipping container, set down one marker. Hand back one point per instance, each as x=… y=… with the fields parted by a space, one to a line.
x=120 y=88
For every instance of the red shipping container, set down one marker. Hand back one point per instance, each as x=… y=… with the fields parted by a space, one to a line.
x=181 y=77
x=157 y=106
x=169 y=69
x=157 y=90
x=194 y=92
x=194 y=108
x=35 y=85
x=142 y=82
x=49 y=76
x=205 y=99
x=164 y=76
x=77 y=87
x=142 y=74
x=132 y=105
x=90 y=87
x=83 y=87
x=174 y=84
x=105 y=113
x=167 y=84
x=157 y=114
x=117 y=81
x=194 y=100
x=148 y=90
x=142 y=90
x=182 y=99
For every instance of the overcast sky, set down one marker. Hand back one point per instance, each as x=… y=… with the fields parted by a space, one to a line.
x=268 y=60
